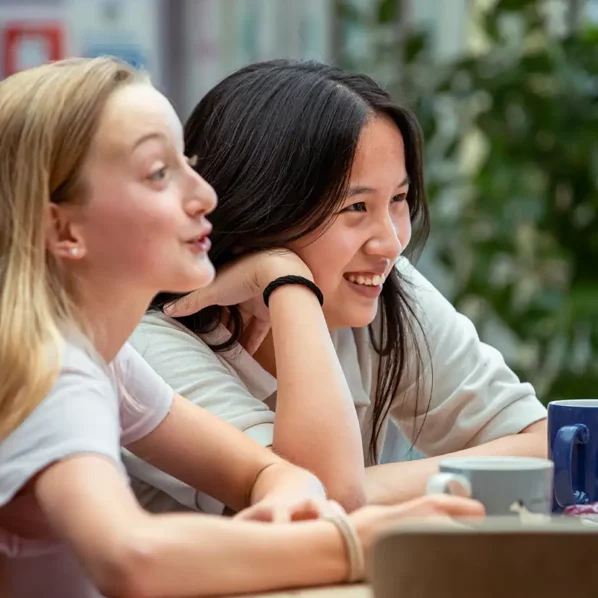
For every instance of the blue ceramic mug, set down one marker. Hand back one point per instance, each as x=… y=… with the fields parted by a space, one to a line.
x=573 y=446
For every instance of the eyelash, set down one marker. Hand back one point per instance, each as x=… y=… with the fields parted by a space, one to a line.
x=155 y=176
x=396 y=199
x=159 y=174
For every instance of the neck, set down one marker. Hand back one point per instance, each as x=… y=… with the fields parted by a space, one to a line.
x=111 y=312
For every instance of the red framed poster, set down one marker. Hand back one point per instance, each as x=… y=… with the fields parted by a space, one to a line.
x=26 y=44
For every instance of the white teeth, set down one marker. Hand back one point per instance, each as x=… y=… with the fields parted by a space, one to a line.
x=372 y=281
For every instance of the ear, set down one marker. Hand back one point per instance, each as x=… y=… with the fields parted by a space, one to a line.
x=64 y=237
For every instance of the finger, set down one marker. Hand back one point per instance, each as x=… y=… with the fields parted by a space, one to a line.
x=255 y=307
x=334 y=508
x=280 y=515
x=326 y=508
x=316 y=509
x=306 y=510
x=458 y=506
x=453 y=506
x=189 y=304
x=245 y=514
x=262 y=514
x=437 y=520
x=256 y=338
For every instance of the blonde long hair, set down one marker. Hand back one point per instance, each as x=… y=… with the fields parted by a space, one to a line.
x=48 y=118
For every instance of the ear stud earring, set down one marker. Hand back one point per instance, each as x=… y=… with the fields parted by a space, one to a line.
x=74 y=251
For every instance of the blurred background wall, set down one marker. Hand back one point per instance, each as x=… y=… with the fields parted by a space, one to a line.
x=506 y=92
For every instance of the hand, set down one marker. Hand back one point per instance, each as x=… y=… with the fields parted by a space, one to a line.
x=290 y=509
x=370 y=521
x=240 y=281
x=283 y=493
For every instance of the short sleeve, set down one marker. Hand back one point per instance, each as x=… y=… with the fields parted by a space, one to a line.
x=468 y=395
x=195 y=372
x=145 y=398
x=79 y=415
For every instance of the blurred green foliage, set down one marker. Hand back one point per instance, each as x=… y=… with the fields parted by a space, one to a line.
x=512 y=171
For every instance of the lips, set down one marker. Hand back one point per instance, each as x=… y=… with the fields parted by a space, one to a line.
x=201 y=243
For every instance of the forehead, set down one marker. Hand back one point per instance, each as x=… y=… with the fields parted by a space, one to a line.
x=135 y=111
x=380 y=147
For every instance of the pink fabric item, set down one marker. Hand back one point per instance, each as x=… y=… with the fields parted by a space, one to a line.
x=588 y=511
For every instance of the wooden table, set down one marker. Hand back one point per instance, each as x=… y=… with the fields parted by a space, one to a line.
x=344 y=591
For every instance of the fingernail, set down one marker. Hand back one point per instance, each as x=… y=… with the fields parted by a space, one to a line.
x=168 y=308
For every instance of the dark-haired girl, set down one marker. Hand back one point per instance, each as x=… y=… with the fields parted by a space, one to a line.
x=320 y=178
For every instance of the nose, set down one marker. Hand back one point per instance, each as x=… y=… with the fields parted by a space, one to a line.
x=385 y=240
x=201 y=197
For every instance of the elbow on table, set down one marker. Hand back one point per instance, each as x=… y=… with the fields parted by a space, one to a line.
x=350 y=496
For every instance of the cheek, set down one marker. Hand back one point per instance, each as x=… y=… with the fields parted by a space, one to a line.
x=402 y=222
x=328 y=257
x=154 y=239
x=405 y=232
x=136 y=227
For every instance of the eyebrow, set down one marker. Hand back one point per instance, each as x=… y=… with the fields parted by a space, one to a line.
x=147 y=137
x=360 y=190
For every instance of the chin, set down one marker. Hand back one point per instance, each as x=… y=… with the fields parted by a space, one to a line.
x=207 y=275
x=352 y=318
x=198 y=278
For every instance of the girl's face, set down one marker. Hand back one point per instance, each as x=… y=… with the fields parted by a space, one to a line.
x=143 y=222
x=357 y=251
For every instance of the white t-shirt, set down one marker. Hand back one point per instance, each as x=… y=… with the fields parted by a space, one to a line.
x=85 y=412
x=475 y=397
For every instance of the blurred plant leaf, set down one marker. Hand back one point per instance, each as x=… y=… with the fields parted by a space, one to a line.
x=515 y=229
x=513 y=5
x=389 y=11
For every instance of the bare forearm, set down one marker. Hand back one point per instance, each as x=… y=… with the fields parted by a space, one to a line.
x=129 y=552
x=316 y=423
x=182 y=555
x=397 y=482
x=206 y=453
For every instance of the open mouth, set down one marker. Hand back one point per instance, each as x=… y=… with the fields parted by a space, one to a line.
x=365 y=279
x=200 y=245
x=365 y=284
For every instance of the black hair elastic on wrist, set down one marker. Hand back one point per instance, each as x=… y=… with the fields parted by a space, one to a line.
x=292 y=279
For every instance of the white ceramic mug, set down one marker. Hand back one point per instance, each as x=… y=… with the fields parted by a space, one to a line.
x=504 y=485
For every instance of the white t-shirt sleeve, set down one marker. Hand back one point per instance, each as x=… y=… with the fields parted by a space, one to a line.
x=145 y=398
x=192 y=369
x=468 y=395
x=79 y=415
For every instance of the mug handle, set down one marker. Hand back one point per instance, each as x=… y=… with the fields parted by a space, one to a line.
x=562 y=455
x=449 y=483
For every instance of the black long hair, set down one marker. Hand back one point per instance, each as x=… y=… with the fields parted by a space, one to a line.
x=277 y=140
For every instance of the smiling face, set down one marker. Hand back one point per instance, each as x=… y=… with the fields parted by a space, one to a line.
x=354 y=254
x=142 y=223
